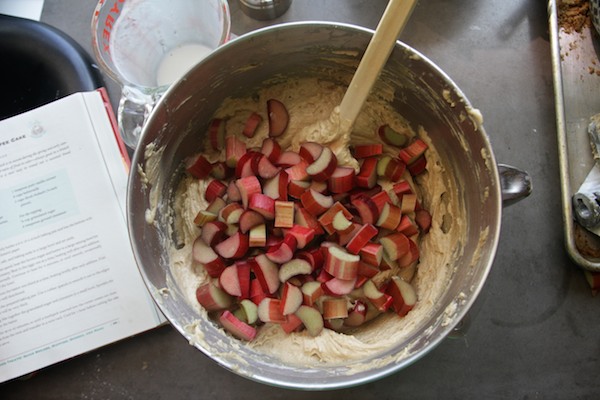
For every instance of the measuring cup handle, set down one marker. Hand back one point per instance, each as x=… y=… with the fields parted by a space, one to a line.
x=134 y=109
x=514 y=183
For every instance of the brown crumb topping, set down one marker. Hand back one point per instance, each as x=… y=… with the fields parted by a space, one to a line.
x=573 y=15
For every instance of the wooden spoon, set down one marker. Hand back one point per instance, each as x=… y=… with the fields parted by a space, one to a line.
x=391 y=24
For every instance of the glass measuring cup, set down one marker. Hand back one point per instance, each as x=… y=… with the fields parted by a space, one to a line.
x=145 y=45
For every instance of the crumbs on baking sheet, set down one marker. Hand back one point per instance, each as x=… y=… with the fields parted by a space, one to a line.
x=573 y=15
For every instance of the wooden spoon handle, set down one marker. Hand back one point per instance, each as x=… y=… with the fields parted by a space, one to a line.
x=391 y=24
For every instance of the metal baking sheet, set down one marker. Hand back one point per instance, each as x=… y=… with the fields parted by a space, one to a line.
x=576 y=73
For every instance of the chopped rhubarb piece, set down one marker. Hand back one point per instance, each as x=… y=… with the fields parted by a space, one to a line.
x=277 y=187
x=212 y=232
x=395 y=169
x=390 y=217
x=367 y=270
x=311 y=318
x=304 y=218
x=310 y=151
x=292 y=268
x=251 y=125
x=234 y=246
x=380 y=199
x=381 y=300
x=257 y=293
x=257 y=237
x=243 y=271
x=284 y=214
x=408 y=226
x=248 y=186
x=326 y=219
x=321 y=187
x=387 y=263
x=414 y=150
x=392 y=136
x=204 y=217
x=335 y=308
x=249 y=310
x=234 y=150
x=233 y=193
x=266 y=169
x=315 y=202
x=216 y=206
x=342 y=224
x=291 y=299
x=366 y=208
x=303 y=235
x=418 y=166
x=249 y=219
x=284 y=251
x=278 y=117
x=298 y=172
x=340 y=263
x=292 y=323
x=213 y=298
x=314 y=256
x=221 y=171
x=367 y=150
x=236 y=327
x=402 y=187
x=361 y=238
x=339 y=287
x=357 y=315
x=395 y=245
x=231 y=213
x=243 y=166
x=341 y=180
x=269 y=310
x=264 y=205
x=216 y=133
x=199 y=167
x=229 y=281
x=311 y=291
x=423 y=219
x=410 y=257
x=297 y=188
x=288 y=159
x=267 y=273
x=408 y=203
x=372 y=253
x=214 y=189
x=344 y=238
x=403 y=295
x=206 y=256
x=367 y=176
x=324 y=166
x=271 y=148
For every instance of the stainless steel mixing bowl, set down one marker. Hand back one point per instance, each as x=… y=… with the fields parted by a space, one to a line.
x=422 y=93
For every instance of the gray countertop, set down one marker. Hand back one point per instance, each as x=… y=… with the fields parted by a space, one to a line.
x=533 y=331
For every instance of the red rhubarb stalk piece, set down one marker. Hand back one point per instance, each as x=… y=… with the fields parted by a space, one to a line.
x=367 y=150
x=216 y=133
x=199 y=167
x=214 y=189
x=236 y=327
x=234 y=150
x=367 y=176
x=278 y=117
x=271 y=148
x=213 y=298
x=324 y=166
x=414 y=150
x=248 y=186
x=341 y=180
x=340 y=263
x=251 y=125
x=234 y=246
x=361 y=238
x=310 y=151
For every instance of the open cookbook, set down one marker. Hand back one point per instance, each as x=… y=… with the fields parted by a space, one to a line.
x=68 y=278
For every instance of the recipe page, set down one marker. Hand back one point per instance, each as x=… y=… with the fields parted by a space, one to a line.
x=68 y=279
